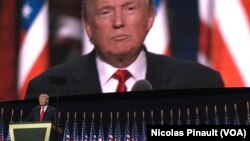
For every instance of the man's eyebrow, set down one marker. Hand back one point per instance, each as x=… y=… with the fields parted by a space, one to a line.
x=109 y=5
x=105 y=5
x=128 y=2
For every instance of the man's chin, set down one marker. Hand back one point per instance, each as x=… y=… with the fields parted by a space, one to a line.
x=121 y=53
x=118 y=53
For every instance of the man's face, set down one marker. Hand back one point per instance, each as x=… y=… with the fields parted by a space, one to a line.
x=118 y=27
x=43 y=100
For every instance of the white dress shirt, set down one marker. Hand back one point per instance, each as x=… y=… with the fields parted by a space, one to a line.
x=105 y=72
x=45 y=107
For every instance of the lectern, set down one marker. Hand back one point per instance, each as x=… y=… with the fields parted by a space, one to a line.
x=38 y=131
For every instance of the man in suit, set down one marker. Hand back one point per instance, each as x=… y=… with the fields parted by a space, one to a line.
x=42 y=112
x=117 y=28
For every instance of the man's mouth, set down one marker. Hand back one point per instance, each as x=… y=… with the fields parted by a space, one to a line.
x=119 y=37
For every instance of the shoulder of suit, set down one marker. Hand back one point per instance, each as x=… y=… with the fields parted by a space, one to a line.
x=64 y=68
x=179 y=64
x=51 y=107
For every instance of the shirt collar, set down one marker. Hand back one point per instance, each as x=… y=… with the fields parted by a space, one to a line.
x=137 y=68
x=45 y=107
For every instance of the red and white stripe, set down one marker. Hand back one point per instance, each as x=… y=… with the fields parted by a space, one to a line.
x=33 y=55
x=225 y=39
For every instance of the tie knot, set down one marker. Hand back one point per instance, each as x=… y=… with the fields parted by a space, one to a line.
x=122 y=75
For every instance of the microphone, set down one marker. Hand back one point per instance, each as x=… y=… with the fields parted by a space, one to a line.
x=57 y=81
x=142 y=85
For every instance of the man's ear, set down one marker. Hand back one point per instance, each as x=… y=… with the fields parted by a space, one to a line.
x=151 y=17
x=88 y=30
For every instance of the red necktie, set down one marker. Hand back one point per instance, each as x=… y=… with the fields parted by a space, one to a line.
x=42 y=113
x=121 y=76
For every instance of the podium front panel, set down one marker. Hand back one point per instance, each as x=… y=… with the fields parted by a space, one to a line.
x=30 y=131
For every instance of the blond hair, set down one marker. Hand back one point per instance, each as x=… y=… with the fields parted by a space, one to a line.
x=44 y=95
x=150 y=3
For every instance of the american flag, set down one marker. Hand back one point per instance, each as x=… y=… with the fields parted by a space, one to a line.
x=66 y=134
x=84 y=133
x=101 y=131
x=135 y=134
x=1 y=127
x=11 y=121
x=110 y=136
x=225 y=39
x=158 y=38
x=33 y=54
x=127 y=136
x=143 y=128
x=118 y=134
x=75 y=136
x=92 y=132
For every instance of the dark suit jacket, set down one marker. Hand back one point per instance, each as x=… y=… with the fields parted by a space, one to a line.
x=49 y=115
x=162 y=72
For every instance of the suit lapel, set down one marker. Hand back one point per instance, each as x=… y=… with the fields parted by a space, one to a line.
x=158 y=71
x=86 y=75
x=46 y=114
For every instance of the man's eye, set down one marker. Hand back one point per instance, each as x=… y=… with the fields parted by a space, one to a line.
x=105 y=13
x=130 y=9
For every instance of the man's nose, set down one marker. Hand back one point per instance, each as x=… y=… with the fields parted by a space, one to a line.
x=118 y=19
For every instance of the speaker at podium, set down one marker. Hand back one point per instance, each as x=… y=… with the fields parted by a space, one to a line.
x=39 y=131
